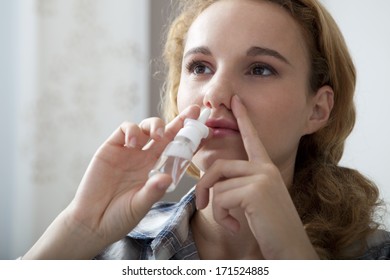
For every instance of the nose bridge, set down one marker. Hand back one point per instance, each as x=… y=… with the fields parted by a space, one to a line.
x=219 y=91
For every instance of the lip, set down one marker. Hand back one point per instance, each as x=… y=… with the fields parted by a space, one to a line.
x=222 y=127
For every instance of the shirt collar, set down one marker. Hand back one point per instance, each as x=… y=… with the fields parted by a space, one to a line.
x=167 y=226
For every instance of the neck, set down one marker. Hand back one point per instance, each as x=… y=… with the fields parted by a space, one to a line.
x=287 y=169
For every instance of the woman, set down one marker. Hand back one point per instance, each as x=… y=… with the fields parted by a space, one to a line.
x=280 y=82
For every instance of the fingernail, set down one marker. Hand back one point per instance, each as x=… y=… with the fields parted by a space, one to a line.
x=132 y=143
x=160 y=132
x=238 y=99
x=198 y=205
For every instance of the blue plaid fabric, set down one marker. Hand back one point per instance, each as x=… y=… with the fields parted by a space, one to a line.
x=165 y=234
x=378 y=245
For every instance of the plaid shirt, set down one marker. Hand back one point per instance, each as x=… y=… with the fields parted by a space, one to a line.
x=165 y=234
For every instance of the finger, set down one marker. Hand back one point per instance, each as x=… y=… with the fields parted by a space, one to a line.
x=191 y=112
x=172 y=128
x=138 y=136
x=221 y=170
x=253 y=146
x=234 y=193
x=153 y=127
x=134 y=136
x=132 y=132
x=230 y=195
x=226 y=185
x=221 y=211
x=123 y=135
x=222 y=216
x=153 y=190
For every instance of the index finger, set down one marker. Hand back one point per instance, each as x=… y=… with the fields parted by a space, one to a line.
x=253 y=146
x=172 y=128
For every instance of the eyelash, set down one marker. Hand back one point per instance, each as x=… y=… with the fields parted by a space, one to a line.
x=191 y=66
x=265 y=67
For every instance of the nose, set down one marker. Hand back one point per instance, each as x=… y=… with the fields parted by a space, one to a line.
x=218 y=93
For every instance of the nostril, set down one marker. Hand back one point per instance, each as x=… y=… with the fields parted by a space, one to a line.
x=208 y=104
x=217 y=97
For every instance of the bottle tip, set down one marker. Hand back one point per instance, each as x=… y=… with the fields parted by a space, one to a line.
x=204 y=114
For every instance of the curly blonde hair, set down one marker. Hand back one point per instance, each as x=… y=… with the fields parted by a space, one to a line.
x=336 y=204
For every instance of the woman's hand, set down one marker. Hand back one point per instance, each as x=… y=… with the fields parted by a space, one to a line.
x=257 y=187
x=115 y=192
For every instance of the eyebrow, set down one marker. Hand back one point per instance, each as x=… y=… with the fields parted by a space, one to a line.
x=196 y=50
x=255 y=51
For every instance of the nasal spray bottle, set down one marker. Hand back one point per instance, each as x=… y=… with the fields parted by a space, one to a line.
x=177 y=155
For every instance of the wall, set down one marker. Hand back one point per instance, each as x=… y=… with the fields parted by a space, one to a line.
x=8 y=11
x=81 y=69
x=365 y=27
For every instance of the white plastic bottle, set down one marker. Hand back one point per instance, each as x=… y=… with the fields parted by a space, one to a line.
x=178 y=154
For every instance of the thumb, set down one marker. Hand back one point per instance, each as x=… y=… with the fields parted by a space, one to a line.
x=153 y=190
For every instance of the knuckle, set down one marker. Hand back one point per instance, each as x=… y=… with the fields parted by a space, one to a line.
x=219 y=163
x=217 y=203
x=126 y=124
x=129 y=127
x=151 y=122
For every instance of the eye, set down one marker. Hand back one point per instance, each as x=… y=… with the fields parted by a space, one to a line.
x=198 y=68
x=260 y=69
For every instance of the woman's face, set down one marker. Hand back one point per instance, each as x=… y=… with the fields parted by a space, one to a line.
x=255 y=50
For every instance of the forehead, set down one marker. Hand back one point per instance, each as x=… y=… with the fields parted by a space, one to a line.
x=241 y=23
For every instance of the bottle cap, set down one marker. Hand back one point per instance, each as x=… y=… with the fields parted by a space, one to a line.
x=196 y=130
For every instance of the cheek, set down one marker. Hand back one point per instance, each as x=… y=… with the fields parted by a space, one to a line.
x=279 y=118
x=279 y=121
x=187 y=96
x=182 y=102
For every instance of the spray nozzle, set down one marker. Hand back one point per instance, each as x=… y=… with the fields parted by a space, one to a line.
x=195 y=130
x=204 y=115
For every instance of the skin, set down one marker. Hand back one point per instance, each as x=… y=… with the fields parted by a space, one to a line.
x=245 y=211
x=265 y=94
x=114 y=194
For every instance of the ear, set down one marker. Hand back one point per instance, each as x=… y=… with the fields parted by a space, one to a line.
x=321 y=107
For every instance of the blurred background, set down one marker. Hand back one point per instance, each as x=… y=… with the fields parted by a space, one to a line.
x=72 y=70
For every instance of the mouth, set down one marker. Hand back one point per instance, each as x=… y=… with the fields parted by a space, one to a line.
x=222 y=127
